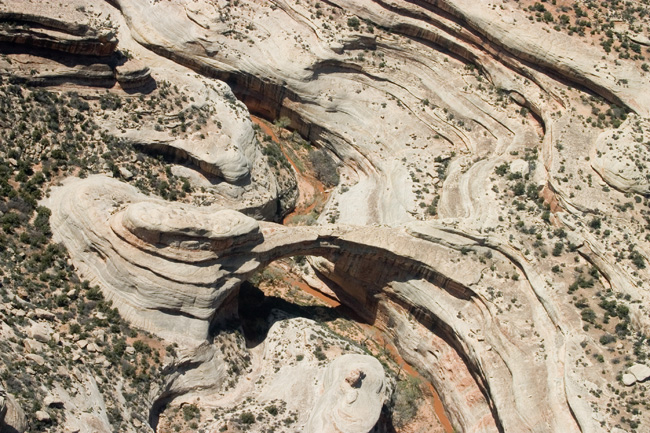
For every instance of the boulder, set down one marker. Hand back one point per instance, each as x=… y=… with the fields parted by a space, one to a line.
x=12 y=417
x=39 y=313
x=354 y=393
x=640 y=371
x=39 y=332
x=125 y=173
x=629 y=379
x=38 y=359
x=53 y=401
x=42 y=416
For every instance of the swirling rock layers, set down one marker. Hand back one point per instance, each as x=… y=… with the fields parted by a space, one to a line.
x=143 y=264
x=354 y=391
x=169 y=268
x=41 y=31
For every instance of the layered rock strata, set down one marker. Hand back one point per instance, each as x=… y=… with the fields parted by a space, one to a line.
x=454 y=112
x=40 y=31
x=354 y=391
x=168 y=268
x=286 y=377
x=70 y=46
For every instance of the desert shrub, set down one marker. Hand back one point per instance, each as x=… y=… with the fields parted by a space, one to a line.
x=94 y=294
x=406 y=400
x=637 y=259
x=502 y=169
x=191 y=411
x=354 y=23
x=247 y=418
x=318 y=353
x=519 y=188
x=607 y=339
x=275 y=155
x=110 y=101
x=272 y=409
x=324 y=167
x=588 y=315
x=595 y=223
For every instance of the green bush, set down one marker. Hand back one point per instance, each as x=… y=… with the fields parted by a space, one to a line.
x=595 y=223
x=10 y=221
x=191 y=411
x=247 y=418
x=42 y=221
x=519 y=188
x=406 y=400
x=637 y=259
x=607 y=339
x=502 y=169
x=588 y=315
x=354 y=23
x=324 y=166
x=94 y=294
x=272 y=409
x=318 y=353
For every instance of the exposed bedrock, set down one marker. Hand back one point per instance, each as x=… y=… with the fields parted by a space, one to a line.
x=12 y=417
x=324 y=91
x=224 y=158
x=620 y=157
x=346 y=394
x=476 y=34
x=170 y=267
x=66 y=46
x=97 y=74
x=228 y=150
x=133 y=75
x=353 y=397
x=388 y=104
x=40 y=31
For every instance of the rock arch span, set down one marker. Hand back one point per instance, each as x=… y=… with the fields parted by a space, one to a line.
x=170 y=267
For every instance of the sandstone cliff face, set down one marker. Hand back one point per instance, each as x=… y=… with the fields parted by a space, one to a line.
x=40 y=31
x=63 y=41
x=422 y=274
x=12 y=417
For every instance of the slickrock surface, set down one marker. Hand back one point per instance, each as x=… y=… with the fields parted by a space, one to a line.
x=284 y=378
x=620 y=157
x=12 y=417
x=641 y=372
x=28 y=25
x=160 y=262
x=137 y=248
x=486 y=173
x=354 y=391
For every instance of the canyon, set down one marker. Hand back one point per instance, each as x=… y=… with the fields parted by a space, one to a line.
x=464 y=191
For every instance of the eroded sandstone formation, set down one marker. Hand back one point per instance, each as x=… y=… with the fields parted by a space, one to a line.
x=354 y=393
x=490 y=219
x=169 y=269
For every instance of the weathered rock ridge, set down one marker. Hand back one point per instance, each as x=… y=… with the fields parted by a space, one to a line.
x=45 y=32
x=492 y=212
x=169 y=268
x=75 y=48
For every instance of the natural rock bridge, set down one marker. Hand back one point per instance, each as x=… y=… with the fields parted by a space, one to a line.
x=170 y=267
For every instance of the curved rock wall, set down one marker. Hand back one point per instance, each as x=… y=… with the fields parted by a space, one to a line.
x=491 y=204
x=169 y=268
